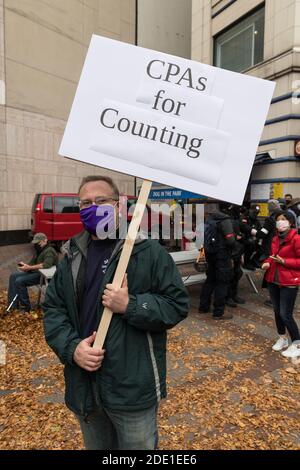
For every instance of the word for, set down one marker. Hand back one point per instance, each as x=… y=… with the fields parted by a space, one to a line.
x=168 y=105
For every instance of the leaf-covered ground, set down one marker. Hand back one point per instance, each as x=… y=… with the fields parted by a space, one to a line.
x=227 y=389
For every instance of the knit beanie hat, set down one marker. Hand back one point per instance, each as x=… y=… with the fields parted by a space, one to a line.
x=288 y=215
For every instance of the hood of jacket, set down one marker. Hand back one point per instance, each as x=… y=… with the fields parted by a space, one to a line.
x=80 y=243
x=219 y=216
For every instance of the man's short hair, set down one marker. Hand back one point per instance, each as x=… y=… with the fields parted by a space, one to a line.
x=288 y=195
x=106 y=179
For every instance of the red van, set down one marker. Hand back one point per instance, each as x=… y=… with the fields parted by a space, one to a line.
x=56 y=215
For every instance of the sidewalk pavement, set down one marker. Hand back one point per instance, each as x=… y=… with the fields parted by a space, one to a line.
x=234 y=391
x=227 y=389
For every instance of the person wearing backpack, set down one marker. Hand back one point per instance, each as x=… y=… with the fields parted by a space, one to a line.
x=219 y=241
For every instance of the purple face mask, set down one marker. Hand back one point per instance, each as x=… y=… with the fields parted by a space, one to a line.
x=99 y=220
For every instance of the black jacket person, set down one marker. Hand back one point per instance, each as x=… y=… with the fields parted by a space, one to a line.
x=219 y=244
x=250 y=225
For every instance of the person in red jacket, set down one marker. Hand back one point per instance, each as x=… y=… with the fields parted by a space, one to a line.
x=283 y=277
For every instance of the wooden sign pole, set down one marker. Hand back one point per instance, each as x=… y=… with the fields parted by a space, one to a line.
x=124 y=259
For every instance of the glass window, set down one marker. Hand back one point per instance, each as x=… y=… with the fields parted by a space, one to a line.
x=36 y=200
x=64 y=205
x=76 y=204
x=48 y=206
x=242 y=46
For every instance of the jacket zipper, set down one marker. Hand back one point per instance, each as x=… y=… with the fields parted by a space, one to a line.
x=74 y=293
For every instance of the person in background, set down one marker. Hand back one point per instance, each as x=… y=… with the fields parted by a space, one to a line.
x=249 y=225
x=284 y=206
x=28 y=274
x=264 y=238
x=219 y=242
x=283 y=277
x=288 y=199
x=265 y=234
x=294 y=208
x=233 y=299
x=282 y=203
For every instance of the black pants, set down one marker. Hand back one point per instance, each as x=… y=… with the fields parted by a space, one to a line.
x=283 y=300
x=249 y=249
x=18 y=283
x=236 y=275
x=218 y=276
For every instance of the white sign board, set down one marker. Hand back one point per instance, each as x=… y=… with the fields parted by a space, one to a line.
x=167 y=119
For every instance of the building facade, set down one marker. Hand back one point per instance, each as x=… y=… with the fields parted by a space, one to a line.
x=260 y=38
x=165 y=25
x=42 y=48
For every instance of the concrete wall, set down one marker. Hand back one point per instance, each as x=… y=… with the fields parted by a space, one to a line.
x=44 y=59
x=281 y=64
x=165 y=25
x=42 y=48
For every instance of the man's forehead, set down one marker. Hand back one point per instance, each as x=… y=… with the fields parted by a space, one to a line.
x=102 y=188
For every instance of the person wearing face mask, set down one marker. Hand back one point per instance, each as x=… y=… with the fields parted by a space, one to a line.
x=114 y=392
x=28 y=275
x=283 y=278
x=294 y=208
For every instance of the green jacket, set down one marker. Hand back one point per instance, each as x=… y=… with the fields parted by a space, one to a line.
x=133 y=372
x=47 y=256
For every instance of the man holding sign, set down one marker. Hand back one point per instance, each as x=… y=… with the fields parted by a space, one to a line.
x=114 y=391
x=161 y=118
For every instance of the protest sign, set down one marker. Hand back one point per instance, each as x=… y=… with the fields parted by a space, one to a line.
x=165 y=119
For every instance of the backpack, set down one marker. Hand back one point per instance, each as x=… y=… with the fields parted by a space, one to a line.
x=212 y=242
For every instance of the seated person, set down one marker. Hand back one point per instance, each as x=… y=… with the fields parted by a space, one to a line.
x=28 y=274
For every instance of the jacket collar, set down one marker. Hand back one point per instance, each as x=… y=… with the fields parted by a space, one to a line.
x=290 y=235
x=78 y=243
x=81 y=242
